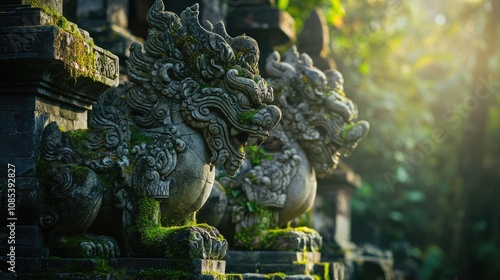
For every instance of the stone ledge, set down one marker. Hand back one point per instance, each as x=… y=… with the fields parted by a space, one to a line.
x=129 y=265
x=271 y=257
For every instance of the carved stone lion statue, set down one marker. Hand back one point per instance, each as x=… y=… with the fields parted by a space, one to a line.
x=277 y=181
x=147 y=162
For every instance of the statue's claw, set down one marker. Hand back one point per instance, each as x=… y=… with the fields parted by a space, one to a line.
x=86 y=246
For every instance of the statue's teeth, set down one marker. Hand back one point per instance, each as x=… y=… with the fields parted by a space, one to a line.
x=161 y=190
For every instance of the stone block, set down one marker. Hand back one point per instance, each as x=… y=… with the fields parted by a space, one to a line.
x=68 y=114
x=254 y=276
x=137 y=264
x=297 y=268
x=242 y=268
x=25 y=235
x=299 y=277
x=280 y=257
x=233 y=277
x=10 y=101
x=52 y=4
x=8 y=276
x=70 y=276
x=27 y=252
x=243 y=257
x=39 y=265
x=207 y=277
x=25 y=166
x=17 y=145
x=205 y=266
x=23 y=122
x=29 y=192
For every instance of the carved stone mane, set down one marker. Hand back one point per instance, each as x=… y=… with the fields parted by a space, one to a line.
x=317 y=112
x=194 y=101
x=277 y=181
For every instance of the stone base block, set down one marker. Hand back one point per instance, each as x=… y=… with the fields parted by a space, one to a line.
x=331 y=270
x=119 y=268
x=266 y=262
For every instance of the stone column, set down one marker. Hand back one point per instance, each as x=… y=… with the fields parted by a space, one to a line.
x=51 y=71
x=315 y=40
x=264 y=22
x=332 y=210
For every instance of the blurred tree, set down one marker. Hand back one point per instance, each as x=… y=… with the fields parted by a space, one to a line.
x=476 y=226
x=430 y=164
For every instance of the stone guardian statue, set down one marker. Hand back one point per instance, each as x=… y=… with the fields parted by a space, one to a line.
x=277 y=181
x=133 y=181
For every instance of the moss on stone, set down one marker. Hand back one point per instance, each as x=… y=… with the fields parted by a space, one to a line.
x=102 y=266
x=246 y=117
x=326 y=273
x=161 y=274
x=345 y=130
x=257 y=154
x=77 y=54
x=250 y=236
x=232 y=276
x=69 y=246
x=137 y=137
x=276 y=275
x=157 y=240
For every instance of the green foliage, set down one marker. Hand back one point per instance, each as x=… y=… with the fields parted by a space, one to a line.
x=409 y=65
x=246 y=117
x=137 y=137
x=256 y=154
x=160 y=274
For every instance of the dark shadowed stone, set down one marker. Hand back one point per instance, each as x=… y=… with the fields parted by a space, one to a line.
x=29 y=192
x=270 y=262
x=315 y=40
x=51 y=4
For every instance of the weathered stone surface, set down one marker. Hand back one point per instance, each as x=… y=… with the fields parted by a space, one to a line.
x=147 y=161
x=266 y=262
x=29 y=192
x=116 y=268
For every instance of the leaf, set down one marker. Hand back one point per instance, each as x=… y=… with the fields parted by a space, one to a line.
x=415 y=196
x=250 y=207
x=235 y=193
x=396 y=216
x=283 y=4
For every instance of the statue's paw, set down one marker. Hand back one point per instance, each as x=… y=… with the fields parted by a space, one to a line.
x=85 y=246
x=293 y=239
x=196 y=242
x=219 y=244
x=101 y=246
x=207 y=243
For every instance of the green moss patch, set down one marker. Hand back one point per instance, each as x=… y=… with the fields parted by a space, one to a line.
x=257 y=154
x=162 y=274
